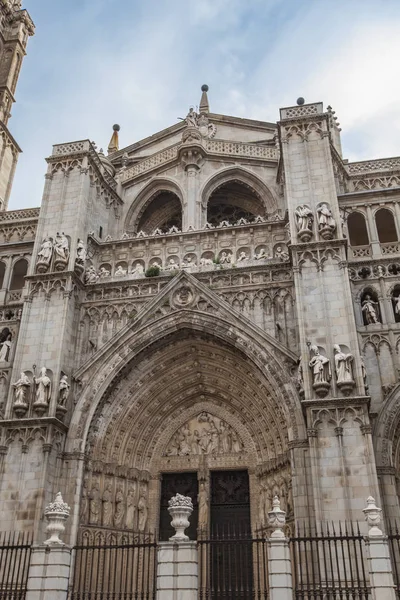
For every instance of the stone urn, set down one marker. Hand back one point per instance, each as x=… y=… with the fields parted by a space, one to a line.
x=180 y=508
x=373 y=516
x=277 y=519
x=56 y=513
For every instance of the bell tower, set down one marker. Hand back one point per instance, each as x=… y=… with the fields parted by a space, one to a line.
x=16 y=27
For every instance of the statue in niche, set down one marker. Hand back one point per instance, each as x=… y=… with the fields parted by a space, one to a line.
x=326 y=222
x=242 y=257
x=142 y=510
x=119 y=508
x=107 y=505
x=321 y=370
x=131 y=506
x=202 y=499
x=81 y=253
x=120 y=272
x=21 y=394
x=396 y=303
x=5 y=349
x=261 y=254
x=61 y=250
x=84 y=500
x=364 y=373
x=43 y=387
x=103 y=272
x=262 y=499
x=94 y=504
x=304 y=222
x=300 y=378
x=172 y=265
x=44 y=255
x=370 y=310
x=344 y=370
x=225 y=258
x=281 y=254
x=63 y=391
x=91 y=275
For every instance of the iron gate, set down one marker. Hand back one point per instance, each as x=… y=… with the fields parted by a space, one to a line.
x=330 y=564
x=122 y=571
x=15 y=554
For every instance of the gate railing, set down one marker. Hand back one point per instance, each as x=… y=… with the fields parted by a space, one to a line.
x=120 y=571
x=232 y=566
x=15 y=554
x=330 y=564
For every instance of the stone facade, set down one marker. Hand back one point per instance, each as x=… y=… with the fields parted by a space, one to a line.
x=222 y=295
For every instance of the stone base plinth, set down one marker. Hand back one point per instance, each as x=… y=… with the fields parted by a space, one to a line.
x=49 y=573
x=177 y=571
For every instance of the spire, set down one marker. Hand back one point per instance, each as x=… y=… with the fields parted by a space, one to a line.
x=113 y=146
x=204 y=106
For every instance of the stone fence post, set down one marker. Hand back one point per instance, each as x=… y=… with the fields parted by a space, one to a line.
x=378 y=557
x=177 y=569
x=279 y=563
x=49 y=568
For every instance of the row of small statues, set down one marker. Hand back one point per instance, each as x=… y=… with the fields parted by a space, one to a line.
x=59 y=249
x=305 y=219
x=92 y=275
x=213 y=438
x=42 y=392
x=321 y=369
x=119 y=511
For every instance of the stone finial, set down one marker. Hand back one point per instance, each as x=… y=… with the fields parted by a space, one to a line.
x=113 y=146
x=204 y=105
x=180 y=508
x=56 y=513
x=373 y=516
x=277 y=518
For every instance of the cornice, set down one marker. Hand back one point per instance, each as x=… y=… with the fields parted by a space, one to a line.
x=33 y=422
x=337 y=402
x=368 y=197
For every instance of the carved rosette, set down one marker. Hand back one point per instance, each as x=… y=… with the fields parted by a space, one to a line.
x=56 y=513
x=180 y=508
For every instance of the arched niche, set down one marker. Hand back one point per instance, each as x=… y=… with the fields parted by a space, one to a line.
x=385 y=226
x=19 y=272
x=235 y=194
x=2 y=273
x=157 y=206
x=357 y=229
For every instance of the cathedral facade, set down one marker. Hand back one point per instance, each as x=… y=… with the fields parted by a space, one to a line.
x=213 y=310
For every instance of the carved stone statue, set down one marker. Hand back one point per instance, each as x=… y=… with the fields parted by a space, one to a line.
x=142 y=511
x=203 y=505
x=281 y=254
x=91 y=275
x=369 y=309
x=63 y=391
x=364 y=374
x=119 y=508
x=131 y=506
x=103 y=272
x=21 y=389
x=120 y=272
x=326 y=222
x=84 y=501
x=44 y=255
x=191 y=118
x=344 y=369
x=43 y=391
x=321 y=370
x=81 y=253
x=94 y=505
x=61 y=250
x=225 y=258
x=5 y=349
x=107 y=505
x=304 y=222
x=261 y=254
x=242 y=257
x=396 y=303
x=300 y=378
x=172 y=265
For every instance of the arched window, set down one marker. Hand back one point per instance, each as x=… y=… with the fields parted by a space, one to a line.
x=233 y=201
x=385 y=226
x=357 y=228
x=18 y=275
x=2 y=273
x=163 y=212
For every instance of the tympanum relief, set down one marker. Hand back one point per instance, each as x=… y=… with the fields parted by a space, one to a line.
x=205 y=434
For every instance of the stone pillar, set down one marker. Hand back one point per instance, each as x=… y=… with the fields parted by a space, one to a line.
x=49 y=570
x=378 y=557
x=279 y=563
x=177 y=571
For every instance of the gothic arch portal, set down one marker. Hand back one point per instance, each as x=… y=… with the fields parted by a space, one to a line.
x=185 y=359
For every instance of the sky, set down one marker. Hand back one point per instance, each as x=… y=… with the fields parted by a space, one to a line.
x=141 y=64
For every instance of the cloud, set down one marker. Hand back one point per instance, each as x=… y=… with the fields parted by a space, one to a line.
x=141 y=64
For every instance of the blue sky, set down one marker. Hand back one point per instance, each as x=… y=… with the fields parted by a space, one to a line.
x=141 y=63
